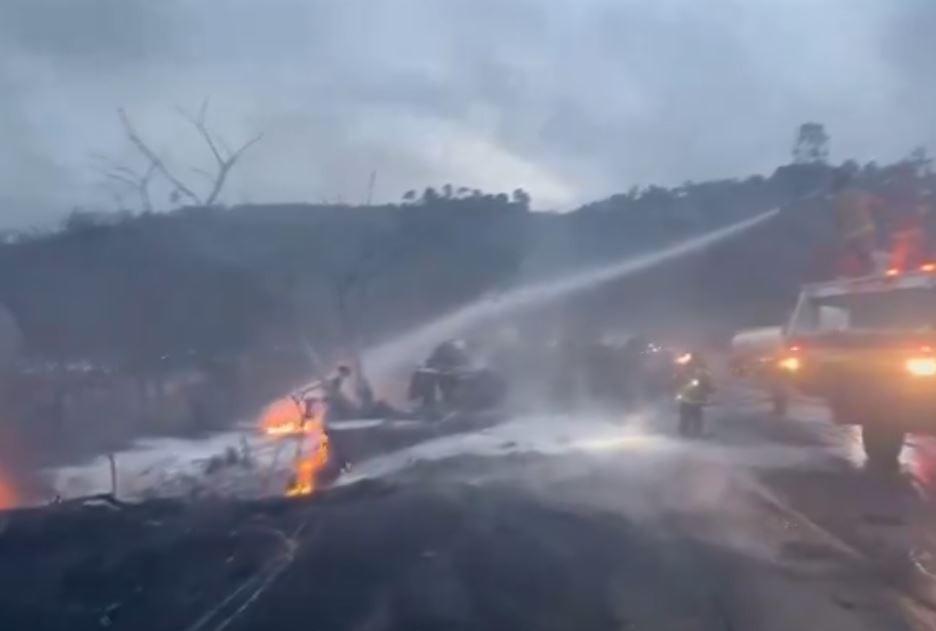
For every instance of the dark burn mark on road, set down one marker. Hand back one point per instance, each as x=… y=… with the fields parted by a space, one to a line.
x=385 y=557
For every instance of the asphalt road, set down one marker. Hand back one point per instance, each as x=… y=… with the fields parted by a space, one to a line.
x=585 y=521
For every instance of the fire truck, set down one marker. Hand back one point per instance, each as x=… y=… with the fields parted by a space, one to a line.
x=867 y=347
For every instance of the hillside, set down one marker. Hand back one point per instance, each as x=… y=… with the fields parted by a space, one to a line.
x=184 y=321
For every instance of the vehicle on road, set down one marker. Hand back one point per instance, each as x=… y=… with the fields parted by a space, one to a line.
x=867 y=347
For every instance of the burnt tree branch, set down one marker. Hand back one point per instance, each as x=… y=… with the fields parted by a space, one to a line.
x=223 y=155
x=155 y=160
x=139 y=182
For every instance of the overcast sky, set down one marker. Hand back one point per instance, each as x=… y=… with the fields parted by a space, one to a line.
x=570 y=99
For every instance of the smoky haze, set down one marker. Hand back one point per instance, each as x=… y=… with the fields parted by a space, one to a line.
x=569 y=100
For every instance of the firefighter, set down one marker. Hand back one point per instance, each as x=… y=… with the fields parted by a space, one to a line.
x=693 y=396
x=450 y=355
x=448 y=360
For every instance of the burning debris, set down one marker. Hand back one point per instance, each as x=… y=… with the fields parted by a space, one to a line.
x=312 y=457
x=303 y=421
x=283 y=417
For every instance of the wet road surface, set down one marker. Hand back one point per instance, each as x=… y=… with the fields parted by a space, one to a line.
x=588 y=521
x=778 y=522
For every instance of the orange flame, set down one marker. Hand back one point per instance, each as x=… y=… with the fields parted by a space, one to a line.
x=283 y=419
x=310 y=463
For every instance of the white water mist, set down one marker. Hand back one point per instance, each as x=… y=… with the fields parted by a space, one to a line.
x=383 y=360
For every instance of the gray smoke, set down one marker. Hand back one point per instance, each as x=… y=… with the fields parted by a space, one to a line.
x=568 y=100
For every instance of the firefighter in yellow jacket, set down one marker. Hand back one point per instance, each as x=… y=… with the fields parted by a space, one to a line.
x=693 y=395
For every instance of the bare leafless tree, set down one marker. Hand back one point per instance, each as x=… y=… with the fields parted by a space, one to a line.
x=224 y=157
x=125 y=177
x=155 y=160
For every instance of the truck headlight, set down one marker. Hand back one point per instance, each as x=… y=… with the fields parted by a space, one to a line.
x=790 y=364
x=921 y=366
